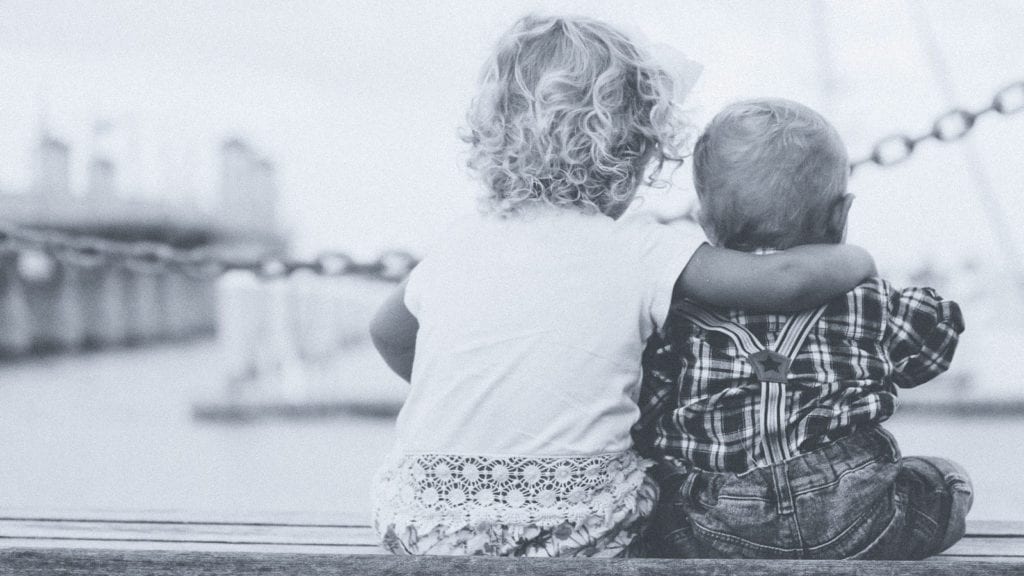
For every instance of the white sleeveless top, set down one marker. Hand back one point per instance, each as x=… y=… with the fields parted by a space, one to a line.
x=527 y=369
x=531 y=332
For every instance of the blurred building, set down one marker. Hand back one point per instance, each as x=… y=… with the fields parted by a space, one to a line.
x=52 y=170
x=248 y=193
x=58 y=300
x=102 y=182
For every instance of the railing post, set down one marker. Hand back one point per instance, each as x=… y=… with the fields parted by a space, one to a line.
x=15 y=320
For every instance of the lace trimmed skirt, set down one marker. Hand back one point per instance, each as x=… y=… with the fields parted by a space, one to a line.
x=513 y=505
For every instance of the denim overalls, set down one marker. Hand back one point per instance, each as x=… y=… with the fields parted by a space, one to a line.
x=853 y=498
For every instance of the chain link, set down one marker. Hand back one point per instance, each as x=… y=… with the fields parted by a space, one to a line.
x=392 y=266
x=201 y=263
x=951 y=126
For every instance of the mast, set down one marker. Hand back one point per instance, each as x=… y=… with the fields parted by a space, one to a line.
x=824 y=58
x=976 y=170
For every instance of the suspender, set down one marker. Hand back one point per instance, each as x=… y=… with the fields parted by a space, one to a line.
x=770 y=365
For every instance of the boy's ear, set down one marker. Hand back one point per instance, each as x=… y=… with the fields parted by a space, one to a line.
x=837 y=220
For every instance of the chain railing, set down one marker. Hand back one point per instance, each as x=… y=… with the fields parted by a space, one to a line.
x=951 y=126
x=205 y=262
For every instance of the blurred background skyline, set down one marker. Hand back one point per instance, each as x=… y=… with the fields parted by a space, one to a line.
x=359 y=106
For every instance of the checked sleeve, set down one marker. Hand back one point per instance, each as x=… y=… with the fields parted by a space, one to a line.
x=921 y=335
x=662 y=366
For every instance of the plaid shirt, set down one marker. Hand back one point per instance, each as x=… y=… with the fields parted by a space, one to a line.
x=699 y=398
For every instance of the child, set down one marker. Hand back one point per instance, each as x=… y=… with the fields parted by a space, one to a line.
x=527 y=322
x=767 y=425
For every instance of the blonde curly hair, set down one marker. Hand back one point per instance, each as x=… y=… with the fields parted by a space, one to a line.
x=570 y=112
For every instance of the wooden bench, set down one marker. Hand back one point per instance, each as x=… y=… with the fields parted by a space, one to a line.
x=33 y=542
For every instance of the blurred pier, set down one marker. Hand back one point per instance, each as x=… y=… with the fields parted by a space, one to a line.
x=70 y=300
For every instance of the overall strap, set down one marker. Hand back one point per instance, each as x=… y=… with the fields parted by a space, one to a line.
x=712 y=321
x=774 y=373
x=770 y=365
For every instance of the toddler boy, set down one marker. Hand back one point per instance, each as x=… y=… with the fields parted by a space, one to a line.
x=767 y=426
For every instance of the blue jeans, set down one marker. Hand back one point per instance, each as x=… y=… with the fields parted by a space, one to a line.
x=854 y=498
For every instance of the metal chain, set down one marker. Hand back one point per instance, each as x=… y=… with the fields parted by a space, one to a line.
x=393 y=266
x=152 y=257
x=952 y=125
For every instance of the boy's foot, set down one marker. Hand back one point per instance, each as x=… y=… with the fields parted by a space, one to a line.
x=951 y=483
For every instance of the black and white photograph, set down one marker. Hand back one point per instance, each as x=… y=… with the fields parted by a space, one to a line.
x=538 y=287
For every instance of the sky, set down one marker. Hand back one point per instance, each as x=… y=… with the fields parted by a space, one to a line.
x=359 y=104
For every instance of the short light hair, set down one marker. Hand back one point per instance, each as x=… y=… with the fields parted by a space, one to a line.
x=570 y=112
x=767 y=173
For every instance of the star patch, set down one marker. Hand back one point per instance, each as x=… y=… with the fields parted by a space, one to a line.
x=770 y=366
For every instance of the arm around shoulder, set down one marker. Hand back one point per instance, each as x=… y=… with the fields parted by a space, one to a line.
x=795 y=279
x=393 y=332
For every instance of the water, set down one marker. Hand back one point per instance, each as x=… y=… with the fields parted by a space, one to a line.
x=114 y=431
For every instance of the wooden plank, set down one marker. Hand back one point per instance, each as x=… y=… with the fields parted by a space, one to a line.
x=364 y=544
x=1004 y=559
x=276 y=518
x=30 y=562
x=326 y=519
x=989 y=546
x=995 y=528
x=304 y=533
x=184 y=546
x=183 y=532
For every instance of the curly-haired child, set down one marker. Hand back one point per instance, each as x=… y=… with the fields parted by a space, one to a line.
x=527 y=321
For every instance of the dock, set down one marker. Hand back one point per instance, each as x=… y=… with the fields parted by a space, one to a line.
x=153 y=543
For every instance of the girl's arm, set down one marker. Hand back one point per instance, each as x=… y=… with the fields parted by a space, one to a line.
x=393 y=331
x=795 y=279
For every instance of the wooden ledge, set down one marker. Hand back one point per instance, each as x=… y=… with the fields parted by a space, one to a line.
x=98 y=542
x=30 y=562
